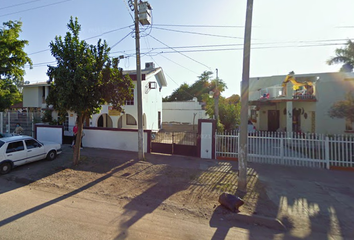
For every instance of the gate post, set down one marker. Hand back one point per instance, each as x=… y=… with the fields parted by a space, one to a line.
x=206 y=138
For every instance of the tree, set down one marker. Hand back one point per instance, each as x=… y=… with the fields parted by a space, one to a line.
x=217 y=86
x=229 y=111
x=344 y=55
x=12 y=61
x=197 y=89
x=9 y=94
x=84 y=78
x=343 y=109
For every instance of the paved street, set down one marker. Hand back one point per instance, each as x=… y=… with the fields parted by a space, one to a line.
x=312 y=203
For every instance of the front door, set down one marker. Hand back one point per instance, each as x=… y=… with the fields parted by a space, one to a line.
x=273 y=120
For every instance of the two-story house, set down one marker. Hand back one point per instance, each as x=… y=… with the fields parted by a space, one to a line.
x=299 y=102
x=153 y=80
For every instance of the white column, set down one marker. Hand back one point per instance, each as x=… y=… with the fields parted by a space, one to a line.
x=289 y=116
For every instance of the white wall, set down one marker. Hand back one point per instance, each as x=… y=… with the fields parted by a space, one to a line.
x=49 y=133
x=330 y=88
x=118 y=140
x=31 y=97
x=183 y=112
x=152 y=104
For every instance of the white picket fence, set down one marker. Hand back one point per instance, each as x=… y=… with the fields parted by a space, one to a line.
x=295 y=149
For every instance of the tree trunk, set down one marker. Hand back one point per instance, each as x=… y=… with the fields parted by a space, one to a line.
x=216 y=108
x=76 y=155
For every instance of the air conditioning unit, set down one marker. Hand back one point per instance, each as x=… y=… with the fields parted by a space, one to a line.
x=149 y=65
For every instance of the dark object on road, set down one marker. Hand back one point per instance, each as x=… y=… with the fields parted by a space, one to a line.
x=230 y=201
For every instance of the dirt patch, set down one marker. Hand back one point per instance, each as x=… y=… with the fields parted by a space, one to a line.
x=142 y=185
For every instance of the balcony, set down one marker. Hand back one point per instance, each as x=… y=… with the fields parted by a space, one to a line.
x=274 y=92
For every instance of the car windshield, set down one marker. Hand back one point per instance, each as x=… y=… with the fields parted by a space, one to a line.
x=1 y=143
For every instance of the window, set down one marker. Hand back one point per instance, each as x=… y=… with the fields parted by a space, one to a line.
x=1 y=143
x=15 y=147
x=130 y=120
x=32 y=144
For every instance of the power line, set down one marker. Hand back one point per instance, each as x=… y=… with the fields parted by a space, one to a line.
x=110 y=31
x=121 y=40
x=180 y=53
x=20 y=4
x=196 y=26
x=254 y=48
x=34 y=8
x=197 y=33
x=129 y=10
x=179 y=64
x=113 y=30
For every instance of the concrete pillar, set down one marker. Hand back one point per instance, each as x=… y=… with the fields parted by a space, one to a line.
x=289 y=116
x=206 y=141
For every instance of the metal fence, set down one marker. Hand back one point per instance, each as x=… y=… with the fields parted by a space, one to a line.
x=9 y=120
x=310 y=150
x=184 y=138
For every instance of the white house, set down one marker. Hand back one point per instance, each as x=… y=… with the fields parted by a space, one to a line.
x=299 y=103
x=153 y=80
x=184 y=112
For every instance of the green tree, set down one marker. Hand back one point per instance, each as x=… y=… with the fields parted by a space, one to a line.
x=345 y=56
x=84 y=78
x=197 y=89
x=9 y=94
x=229 y=111
x=12 y=62
x=217 y=86
x=344 y=108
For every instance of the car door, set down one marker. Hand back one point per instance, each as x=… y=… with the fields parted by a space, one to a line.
x=35 y=150
x=16 y=153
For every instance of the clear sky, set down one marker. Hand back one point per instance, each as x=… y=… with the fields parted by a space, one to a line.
x=286 y=35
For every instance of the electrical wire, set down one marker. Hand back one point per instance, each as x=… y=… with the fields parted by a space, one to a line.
x=129 y=10
x=19 y=4
x=201 y=26
x=197 y=33
x=110 y=31
x=35 y=8
x=180 y=52
x=120 y=40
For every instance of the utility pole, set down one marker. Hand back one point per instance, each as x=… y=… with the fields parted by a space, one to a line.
x=242 y=163
x=138 y=81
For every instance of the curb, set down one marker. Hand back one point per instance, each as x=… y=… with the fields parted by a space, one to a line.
x=261 y=220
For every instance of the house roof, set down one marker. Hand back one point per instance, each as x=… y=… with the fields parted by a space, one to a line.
x=147 y=73
x=37 y=84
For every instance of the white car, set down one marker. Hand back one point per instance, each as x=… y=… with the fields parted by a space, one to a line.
x=19 y=150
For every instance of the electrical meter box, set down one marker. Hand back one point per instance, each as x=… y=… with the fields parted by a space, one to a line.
x=145 y=13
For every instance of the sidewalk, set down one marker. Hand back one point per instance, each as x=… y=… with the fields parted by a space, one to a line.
x=310 y=202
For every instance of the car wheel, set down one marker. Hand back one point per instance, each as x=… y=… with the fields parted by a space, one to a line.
x=5 y=167
x=51 y=155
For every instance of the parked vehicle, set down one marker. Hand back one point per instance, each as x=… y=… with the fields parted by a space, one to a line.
x=19 y=150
